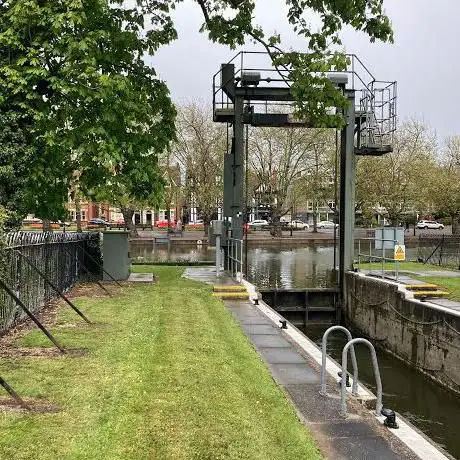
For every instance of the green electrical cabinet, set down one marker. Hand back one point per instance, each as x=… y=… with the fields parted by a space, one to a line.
x=115 y=255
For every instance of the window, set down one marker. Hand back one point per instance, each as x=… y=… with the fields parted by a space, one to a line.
x=73 y=214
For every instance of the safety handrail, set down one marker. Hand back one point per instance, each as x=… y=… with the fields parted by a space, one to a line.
x=375 y=364
x=235 y=258
x=323 y=387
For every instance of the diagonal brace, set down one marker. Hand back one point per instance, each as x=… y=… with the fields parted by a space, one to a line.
x=53 y=286
x=31 y=315
x=10 y=390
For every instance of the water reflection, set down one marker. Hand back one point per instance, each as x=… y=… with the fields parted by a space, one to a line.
x=148 y=251
x=302 y=267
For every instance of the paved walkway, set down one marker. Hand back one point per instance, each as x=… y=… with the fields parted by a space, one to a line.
x=359 y=436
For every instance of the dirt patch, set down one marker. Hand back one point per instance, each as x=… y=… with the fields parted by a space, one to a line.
x=31 y=405
x=92 y=290
x=47 y=315
x=17 y=352
x=82 y=325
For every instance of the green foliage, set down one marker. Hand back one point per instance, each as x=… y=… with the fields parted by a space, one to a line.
x=76 y=95
x=398 y=181
x=231 y=23
x=75 y=72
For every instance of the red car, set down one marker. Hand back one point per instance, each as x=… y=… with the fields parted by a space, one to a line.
x=164 y=224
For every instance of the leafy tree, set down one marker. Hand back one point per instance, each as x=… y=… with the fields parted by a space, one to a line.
x=317 y=183
x=278 y=158
x=200 y=151
x=396 y=182
x=74 y=71
x=444 y=185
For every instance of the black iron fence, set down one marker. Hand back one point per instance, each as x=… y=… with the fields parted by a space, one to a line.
x=63 y=258
x=441 y=250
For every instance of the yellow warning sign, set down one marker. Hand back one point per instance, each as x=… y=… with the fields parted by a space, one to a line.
x=400 y=252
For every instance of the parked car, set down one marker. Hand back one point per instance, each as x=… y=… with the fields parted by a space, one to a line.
x=98 y=221
x=299 y=224
x=196 y=223
x=258 y=223
x=61 y=223
x=164 y=224
x=424 y=224
x=326 y=224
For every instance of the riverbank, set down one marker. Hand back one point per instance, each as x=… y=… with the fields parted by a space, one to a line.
x=263 y=237
x=153 y=383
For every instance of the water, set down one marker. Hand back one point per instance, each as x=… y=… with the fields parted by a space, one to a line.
x=147 y=251
x=430 y=408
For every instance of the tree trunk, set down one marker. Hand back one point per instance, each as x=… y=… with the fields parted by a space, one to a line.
x=276 y=231
x=78 y=213
x=47 y=225
x=168 y=213
x=315 y=222
x=128 y=214
x=456 y=225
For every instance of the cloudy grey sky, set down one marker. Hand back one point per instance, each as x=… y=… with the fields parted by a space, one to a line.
x=424 y=59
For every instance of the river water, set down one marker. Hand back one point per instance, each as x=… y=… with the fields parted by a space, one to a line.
x=430 y=408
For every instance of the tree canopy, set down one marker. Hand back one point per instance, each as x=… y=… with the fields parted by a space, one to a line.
x=76 y=94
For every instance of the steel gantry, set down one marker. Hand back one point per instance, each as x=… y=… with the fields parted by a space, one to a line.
x=248 y=90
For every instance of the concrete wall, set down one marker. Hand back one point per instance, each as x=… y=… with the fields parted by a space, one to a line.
x=422 y=334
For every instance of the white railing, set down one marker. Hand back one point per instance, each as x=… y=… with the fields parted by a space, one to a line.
x=234 y=262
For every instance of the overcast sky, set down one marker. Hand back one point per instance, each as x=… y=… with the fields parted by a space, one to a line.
x=425 y=59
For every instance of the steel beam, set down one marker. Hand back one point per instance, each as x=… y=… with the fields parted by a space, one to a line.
x=238 y=170
x=347 y=192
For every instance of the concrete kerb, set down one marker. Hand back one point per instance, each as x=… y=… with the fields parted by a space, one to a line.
x=416 y=441
x=409 y=295
x=332 y=368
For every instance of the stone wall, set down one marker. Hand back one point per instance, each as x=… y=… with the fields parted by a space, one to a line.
x=424 y=335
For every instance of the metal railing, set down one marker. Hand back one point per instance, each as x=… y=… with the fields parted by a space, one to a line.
x=344 y=376
x=234 y=261
x=376 y=101
x=323 y=389
x=378 y=256
x=442 y=250
x=343 y=384
x=63 y=258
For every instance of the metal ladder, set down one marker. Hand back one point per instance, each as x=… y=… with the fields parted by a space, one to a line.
x=343 y=392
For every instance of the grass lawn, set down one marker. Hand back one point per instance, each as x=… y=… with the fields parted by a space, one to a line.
x=169 y=375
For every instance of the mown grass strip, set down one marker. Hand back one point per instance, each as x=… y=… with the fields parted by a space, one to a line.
x=171 y=376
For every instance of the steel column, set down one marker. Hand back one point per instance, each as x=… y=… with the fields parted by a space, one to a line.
x=347 y=192
x=238 y=170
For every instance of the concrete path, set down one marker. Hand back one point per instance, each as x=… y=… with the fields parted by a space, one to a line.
x=360 y=436
x=357 y=437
